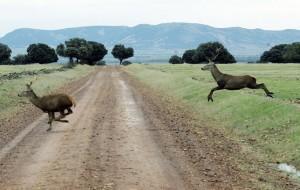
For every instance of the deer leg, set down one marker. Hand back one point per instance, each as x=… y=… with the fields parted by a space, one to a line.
x=69 y=111
x=59 y=119
x=209 y=97
x=263 y=86
x=63 y=121
x=51 y=117
x=62 y=115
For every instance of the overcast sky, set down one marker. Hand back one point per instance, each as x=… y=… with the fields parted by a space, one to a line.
x=54 y=14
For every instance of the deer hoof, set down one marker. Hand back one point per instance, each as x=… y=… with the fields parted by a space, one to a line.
x=270 y=95
x=210 y=99
x=49 y=129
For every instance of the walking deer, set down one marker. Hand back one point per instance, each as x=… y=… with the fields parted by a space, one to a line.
x=50 y=104
x=229 y=82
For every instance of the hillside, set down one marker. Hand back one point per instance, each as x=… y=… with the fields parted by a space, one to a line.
x=159 y=41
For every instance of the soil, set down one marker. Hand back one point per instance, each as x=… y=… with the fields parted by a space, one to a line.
x=122 y=135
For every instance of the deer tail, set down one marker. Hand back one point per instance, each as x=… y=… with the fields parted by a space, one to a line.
x=72 y=100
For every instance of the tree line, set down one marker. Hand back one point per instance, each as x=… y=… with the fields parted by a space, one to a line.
x=90 y=52
x=282 y=53
x=77 y=50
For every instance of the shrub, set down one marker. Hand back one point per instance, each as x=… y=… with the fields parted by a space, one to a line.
x=175 y=59
x=101 y=63
x=125 y=63
x=5 y=53
x=20 y=59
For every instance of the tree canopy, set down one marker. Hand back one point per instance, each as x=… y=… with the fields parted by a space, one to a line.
x=92 y=52
x=209 y=50
x=188 y=56
x=292 y=53
x=282 y=53
x=41 y=53
x=5 y=53
x=121 y=52
x=84 y=51
x=275 y=54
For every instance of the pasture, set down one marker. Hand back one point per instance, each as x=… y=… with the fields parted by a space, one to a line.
x=45 y=77
x=270 y=126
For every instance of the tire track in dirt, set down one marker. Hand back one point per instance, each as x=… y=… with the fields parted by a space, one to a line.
x=129 y=158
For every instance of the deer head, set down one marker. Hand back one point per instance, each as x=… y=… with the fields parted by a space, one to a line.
x=208 y=66
x=28 y=92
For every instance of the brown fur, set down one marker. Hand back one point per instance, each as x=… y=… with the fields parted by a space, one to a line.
x=231 y=82
x=51 y=104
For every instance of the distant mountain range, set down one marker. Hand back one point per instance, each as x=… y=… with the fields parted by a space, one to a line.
x=154 y=42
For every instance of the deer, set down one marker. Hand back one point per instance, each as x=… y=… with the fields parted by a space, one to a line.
x=230 y=82
x=50 y=104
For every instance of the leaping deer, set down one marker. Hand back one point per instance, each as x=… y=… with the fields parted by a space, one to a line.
x=230 y=82
x=50 y=104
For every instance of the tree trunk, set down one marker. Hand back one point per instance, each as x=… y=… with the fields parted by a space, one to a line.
x=121 y=60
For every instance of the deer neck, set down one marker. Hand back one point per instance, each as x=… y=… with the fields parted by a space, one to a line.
x=35 y=100
x=216 y=73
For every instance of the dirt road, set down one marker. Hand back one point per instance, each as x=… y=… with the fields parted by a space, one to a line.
x=117 y=138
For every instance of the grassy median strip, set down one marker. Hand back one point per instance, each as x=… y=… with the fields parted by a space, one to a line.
x=272 y=125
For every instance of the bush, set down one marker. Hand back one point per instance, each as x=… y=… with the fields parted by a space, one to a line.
x=5 y=53
x=20 y=59
x=175 y=59
x=125 y=63
x=101 y=63
x=69 y=65
x=6 y=62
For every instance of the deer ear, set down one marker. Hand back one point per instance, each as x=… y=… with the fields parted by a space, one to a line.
x=29 y=84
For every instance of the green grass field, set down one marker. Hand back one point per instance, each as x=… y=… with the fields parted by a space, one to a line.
x=271 y=126
x=33 y=67
x=43 y=83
